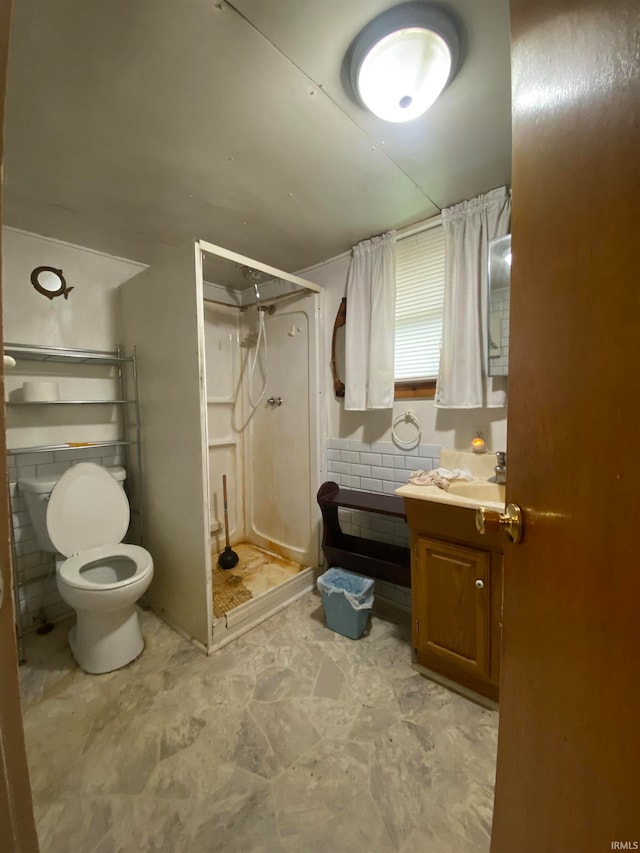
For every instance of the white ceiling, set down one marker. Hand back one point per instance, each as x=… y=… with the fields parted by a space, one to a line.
x=133 y=124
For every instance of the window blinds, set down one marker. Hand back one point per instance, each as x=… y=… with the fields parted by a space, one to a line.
x=419 y=304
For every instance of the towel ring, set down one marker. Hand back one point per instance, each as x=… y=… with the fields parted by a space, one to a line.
x=407 y=417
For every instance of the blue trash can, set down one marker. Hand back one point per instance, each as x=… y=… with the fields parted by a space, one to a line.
x=347 y=600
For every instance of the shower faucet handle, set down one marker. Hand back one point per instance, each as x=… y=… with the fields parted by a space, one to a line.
x=274 y=401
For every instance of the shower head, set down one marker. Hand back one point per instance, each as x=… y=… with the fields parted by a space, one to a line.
x=255 y=276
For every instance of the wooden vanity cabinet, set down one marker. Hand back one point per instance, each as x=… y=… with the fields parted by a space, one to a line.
x=456 y=589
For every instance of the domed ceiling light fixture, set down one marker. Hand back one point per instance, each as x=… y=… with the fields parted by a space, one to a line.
x=403 y=59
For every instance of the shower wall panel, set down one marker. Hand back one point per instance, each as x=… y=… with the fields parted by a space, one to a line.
x=279 y=447
x=225 y=414
x=162 y=316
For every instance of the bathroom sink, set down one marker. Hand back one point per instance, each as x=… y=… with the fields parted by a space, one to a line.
x=494 y=492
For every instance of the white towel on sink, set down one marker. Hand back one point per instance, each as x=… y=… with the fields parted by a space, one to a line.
x=440 y=477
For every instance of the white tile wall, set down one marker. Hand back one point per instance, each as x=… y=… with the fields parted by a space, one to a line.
x=400 y=596
x=378 y=467
x=35 y=569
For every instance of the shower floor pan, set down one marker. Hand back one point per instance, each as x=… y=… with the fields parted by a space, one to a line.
x=261 y=584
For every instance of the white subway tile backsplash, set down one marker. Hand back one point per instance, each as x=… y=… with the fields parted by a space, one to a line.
x=380 y=588
x=30 y=546
x=18 y=504
x=374 y=522
x=40 y=560
x=27 y=574
x=413 y=451
x=377 y=467
x=383 y=447
x=370 y=459
x=20 y=519
x=26 y=471
x=386 y=525
x=24 y=534
x=25 y=459
x=432 y=450
x=370 y=485
x=379 y=473
x=391 y=592
x=112 y=461
x=361 y=471
x=51 y=469
x=339 y=467
x=423 y=462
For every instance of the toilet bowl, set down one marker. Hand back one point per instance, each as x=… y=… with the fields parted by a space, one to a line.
x=87 y=515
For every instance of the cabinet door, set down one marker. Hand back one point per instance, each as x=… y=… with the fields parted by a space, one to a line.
x=452 y=598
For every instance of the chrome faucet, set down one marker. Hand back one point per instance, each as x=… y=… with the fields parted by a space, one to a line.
x=501 y=467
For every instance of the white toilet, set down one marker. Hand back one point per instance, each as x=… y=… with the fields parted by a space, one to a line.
x=84 y=516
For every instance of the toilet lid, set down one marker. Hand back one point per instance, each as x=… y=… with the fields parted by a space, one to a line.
x=87 y=509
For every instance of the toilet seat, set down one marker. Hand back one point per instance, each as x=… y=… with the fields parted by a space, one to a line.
x=71 y=571
x=87 y=508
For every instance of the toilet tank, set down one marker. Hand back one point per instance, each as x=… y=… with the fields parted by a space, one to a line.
x=37 y=491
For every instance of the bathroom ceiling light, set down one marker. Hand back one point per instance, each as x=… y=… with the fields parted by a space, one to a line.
x=403 y=59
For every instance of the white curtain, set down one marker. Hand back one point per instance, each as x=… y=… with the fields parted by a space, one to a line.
x=468 y=227
x=370 y=332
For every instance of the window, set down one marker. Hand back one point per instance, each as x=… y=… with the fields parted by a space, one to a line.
x=419 y=307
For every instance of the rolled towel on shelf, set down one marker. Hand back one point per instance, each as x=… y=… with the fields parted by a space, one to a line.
x=40 y=391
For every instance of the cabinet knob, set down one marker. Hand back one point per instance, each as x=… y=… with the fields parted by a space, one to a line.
x=480 y=583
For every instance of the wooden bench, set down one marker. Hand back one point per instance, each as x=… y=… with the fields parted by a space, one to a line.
x=378 y=560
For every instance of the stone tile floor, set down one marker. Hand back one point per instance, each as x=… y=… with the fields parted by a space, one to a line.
x=291 y=738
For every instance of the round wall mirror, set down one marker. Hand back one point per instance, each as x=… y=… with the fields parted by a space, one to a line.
x=50 y=282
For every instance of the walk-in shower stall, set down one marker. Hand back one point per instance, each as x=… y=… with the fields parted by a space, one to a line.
x=228 y=362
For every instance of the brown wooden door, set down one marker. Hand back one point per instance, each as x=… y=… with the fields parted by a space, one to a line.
x=451 y=621
x=17 y=827
x=568 y=777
